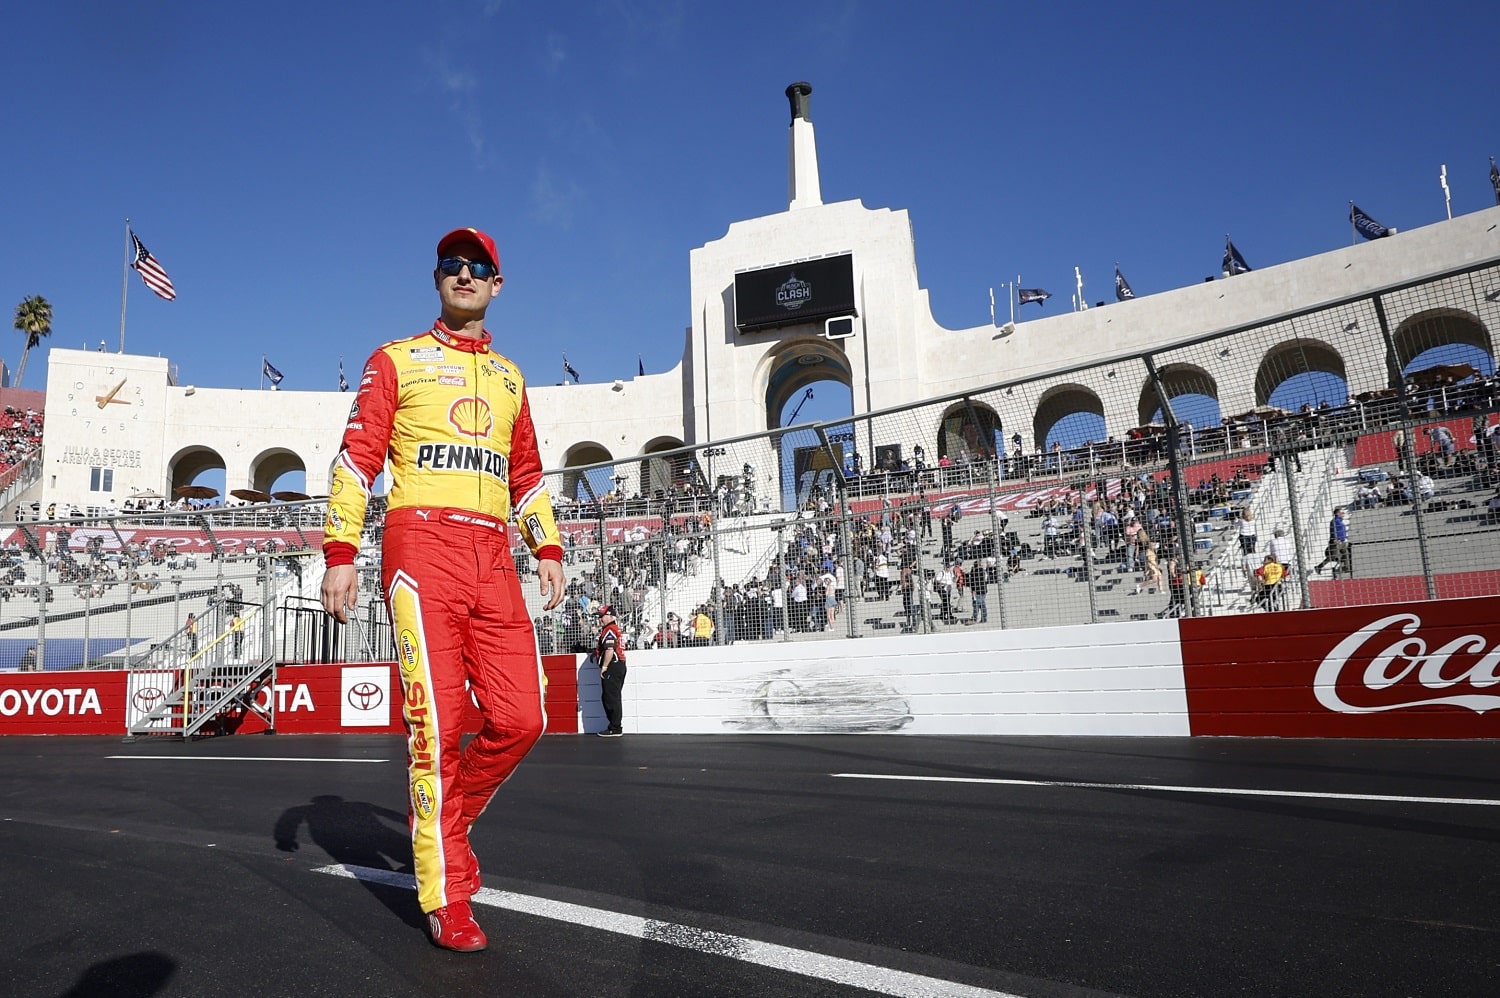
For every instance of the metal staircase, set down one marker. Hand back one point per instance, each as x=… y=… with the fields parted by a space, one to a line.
x=215 y=687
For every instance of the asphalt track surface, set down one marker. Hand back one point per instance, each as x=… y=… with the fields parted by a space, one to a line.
x=744 y=866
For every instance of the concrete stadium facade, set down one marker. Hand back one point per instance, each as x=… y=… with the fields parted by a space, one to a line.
x=122 y=414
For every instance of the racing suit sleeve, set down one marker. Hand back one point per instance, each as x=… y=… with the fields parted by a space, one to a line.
x=361 y=458
x=530 y=501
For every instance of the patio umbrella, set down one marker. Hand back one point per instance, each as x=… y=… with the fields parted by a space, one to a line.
x=250 y=495
x=1442 y=374
x=148 y=494
x=1261 y=412
x=196 y=492
x=290 y=496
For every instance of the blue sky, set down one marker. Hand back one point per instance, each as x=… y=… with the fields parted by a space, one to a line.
x=292 y=165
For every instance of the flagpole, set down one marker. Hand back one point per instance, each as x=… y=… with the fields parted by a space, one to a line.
x=1447 y=195
x=992 y=306
x=1013 y=300
x=262 y=372
x=1353 y=231
x=124 y=285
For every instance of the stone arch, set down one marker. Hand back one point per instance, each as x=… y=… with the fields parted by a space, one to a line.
x=580 y=456
x=1058 y=403
x=1291 y=358
x=797 y=363
x=271 y=464
x=969 y=430
x=190 y=462
x=1436 y=328
x=1176 y=380
x=658 y=474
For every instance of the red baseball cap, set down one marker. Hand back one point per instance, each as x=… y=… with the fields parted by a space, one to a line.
x=469 y=236
x=605 y=610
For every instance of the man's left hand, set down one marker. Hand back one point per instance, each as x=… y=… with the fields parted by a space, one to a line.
x=550 y=574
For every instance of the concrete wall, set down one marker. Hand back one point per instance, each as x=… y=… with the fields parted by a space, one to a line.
x=1111 y=679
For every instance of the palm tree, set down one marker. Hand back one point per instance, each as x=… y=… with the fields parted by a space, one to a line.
x=34 y=318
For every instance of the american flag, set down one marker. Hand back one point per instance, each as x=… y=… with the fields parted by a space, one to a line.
x=145 y=264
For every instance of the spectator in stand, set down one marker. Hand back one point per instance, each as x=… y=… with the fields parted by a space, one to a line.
x=1367 y=496
x=908 y=596
x=703 y=627
x=1271 y=572
x=1132 y=547
x=945 y=587
x=1426 y=488
x=979 y=588
x=1150 y=569
x=1248 y=538
x=1282 y=548
x=1443 y=442
x=1398 y=441
x=829 y=584
x=1106 y=529
x=1338 y=545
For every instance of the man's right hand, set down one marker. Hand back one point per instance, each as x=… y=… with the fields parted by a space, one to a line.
x=340 y=591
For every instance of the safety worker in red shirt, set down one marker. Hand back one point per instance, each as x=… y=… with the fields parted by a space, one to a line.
x=610 y=654
x=451 y=417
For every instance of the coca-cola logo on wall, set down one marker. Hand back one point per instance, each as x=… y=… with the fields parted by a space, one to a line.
x=1415 y=670
x=1387 y=665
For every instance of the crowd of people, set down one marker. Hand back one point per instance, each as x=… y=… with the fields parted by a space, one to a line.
x=20 y=437
x=806 y=587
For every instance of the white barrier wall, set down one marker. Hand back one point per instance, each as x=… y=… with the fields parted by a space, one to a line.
x=1103 y=679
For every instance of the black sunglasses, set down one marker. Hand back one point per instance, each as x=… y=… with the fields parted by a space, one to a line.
x=480 y=270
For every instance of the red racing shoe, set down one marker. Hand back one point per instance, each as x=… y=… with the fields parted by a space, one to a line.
x=453 y=927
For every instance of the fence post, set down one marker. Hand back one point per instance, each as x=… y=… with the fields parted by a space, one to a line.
x=661 y=572
x=41 y=620
x=176 y=608
x=1298 y=540
x=780 y=562
x=1398 y=382
x=1000 y=551
x=129 y=607
x=853 y=588
x=267 y=611
x=1085 y=538
x=1417 y=505
x=1185 y=559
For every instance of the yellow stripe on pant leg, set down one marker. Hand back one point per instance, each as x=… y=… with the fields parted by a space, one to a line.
x=423 y=747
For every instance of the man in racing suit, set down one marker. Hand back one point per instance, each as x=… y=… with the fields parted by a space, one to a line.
x=451 y=417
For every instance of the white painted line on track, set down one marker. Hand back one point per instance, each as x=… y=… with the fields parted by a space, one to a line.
x=1232 y=791
x=880 y=980
x=236 y=758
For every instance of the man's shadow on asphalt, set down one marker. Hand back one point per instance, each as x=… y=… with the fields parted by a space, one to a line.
x=353 y=833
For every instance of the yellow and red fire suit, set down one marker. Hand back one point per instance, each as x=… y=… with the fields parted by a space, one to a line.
x=450 y=417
